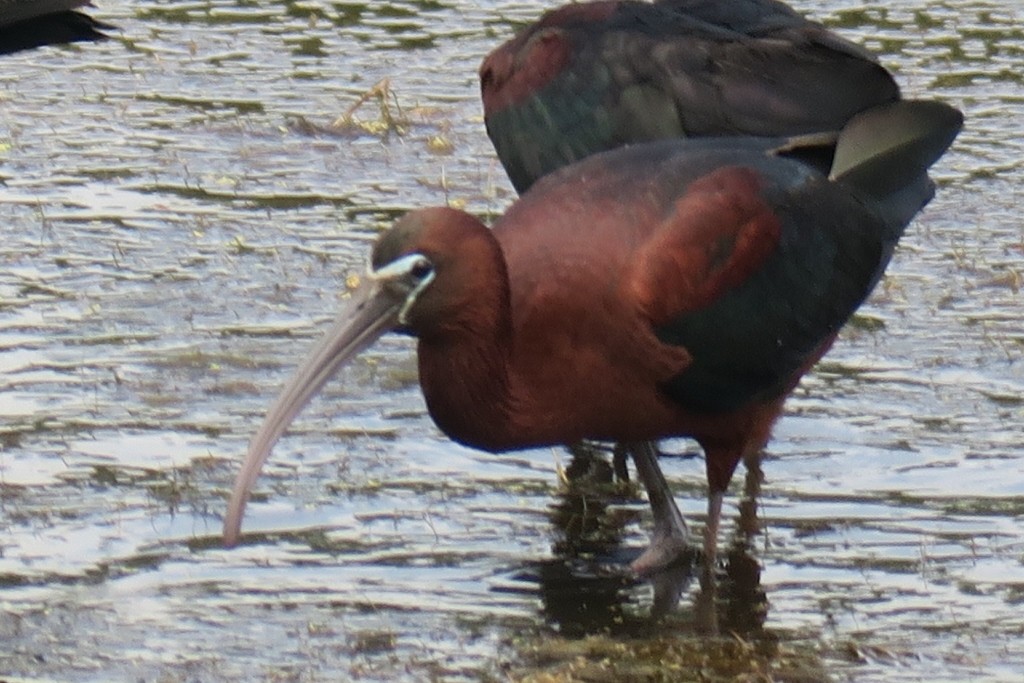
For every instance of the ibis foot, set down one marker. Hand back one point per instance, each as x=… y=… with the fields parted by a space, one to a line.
x=670 y=542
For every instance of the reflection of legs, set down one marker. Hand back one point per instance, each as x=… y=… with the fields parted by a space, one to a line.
x=580 y=513
x=619 y=461
x=668 y=585
x=745 y=605
x=670 y=539
x=748 y=526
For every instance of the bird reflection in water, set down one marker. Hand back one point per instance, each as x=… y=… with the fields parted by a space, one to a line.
x=583 y=589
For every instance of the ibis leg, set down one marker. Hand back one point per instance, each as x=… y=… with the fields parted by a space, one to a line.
x=671 y=538
x=711 y=535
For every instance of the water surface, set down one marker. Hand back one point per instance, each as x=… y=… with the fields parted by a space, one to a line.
x=179 y=223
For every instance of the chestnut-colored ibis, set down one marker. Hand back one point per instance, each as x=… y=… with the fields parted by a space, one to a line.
x=674 y=288
x=26 y=24
x=589 y=77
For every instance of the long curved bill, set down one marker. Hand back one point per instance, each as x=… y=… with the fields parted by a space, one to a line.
x=373 y=310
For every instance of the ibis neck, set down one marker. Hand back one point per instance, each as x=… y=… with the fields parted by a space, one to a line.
x=465 y=357
x=466 y=386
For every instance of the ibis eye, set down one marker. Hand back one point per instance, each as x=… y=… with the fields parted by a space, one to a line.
x=422 y=268
x=421 y=272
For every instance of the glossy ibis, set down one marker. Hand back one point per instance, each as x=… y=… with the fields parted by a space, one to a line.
x=590 y=77
x=25 y=24
x=673 y=288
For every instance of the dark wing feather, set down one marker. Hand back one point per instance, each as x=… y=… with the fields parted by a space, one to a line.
x=805 y=276
x=588 y=78
x=756 y=339
x=26 y=24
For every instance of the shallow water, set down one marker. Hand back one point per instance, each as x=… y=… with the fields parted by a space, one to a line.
x=179 y=224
